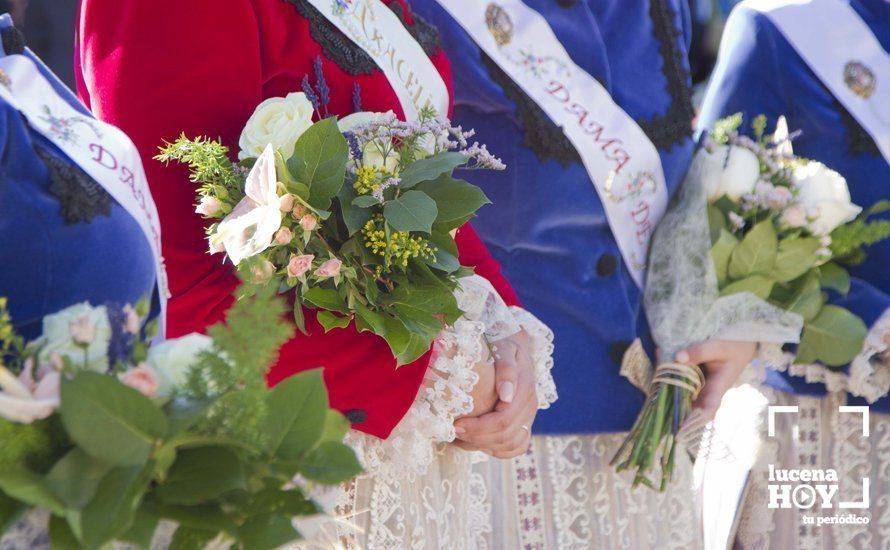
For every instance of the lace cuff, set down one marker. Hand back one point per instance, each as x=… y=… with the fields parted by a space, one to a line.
x=542 y=354
x=868 y=375
x=446 y=393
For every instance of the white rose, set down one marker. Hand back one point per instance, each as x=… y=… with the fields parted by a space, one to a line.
x=25 y=400
x=279 y=121
x=252 y=224
x=173 y=359
x=729 y=170
x=58 y=337
x=372 y=155
x=824 y=194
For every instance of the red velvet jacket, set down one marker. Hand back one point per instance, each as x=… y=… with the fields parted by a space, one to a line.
x=156 y=68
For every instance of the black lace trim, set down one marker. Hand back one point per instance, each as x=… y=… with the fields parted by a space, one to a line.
x=345 y=53
x=81 y=198
x=540 y=134
x=675 y=125
x=13 y=41
x=549 y=142
x=859 y=142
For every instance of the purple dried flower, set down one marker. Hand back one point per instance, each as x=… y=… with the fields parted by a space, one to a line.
x=321 y=85
x=356 y=98
x=310 y=93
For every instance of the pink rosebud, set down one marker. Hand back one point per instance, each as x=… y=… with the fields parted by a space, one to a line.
x=330 y=268
x=299 y=211
x=286 y=202
x=283 y=236
x=299 y=265
x=209 y=207
x=262 y=272
x=142 y=379
x=308 y=222
x=795 y=216
x=82 y=330
x=132 y=323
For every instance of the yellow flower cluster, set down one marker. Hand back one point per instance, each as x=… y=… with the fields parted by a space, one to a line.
x=367 y=180
x=398 y=249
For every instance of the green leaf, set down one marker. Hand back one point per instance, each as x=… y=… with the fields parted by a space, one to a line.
x=330 y=463
x=319 y=161
x=61 y=536
x=110 y=421
x=354 y=217
x=113 y=508
x=142 y=531
x=267 y=531
x=10 y=510
x=330 y=321
x=835 y=277
x=365 y=201
x=291 y=503
x=326 y=298
x=201 y=474
x=335 y=427
x=446 y=251
x=456 y=200
x=756 y=254
x=807 y=297
x=721 y=252
x=405 y=345
x=189 y=538
x=300 y=316
x=716 y=222
x=365 y=319
x=75 y=478
x=297 y=410
x=27 y=487
x=205 y=517
x=411 y=211
x=833 y=338
x=757 y=285
x=795 y=257
x=430 y=168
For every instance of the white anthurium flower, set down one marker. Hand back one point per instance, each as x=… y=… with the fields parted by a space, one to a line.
x=25 y=400
x=279 y=121
x=372 y=155
x=172 y=360
x=80 y=333
x=251 y=226
x=730 y=170
x=825 y=196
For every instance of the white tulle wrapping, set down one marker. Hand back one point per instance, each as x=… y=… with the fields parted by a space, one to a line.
x=683 y=303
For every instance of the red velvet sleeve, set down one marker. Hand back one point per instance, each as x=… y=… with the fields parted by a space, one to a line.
x=159 y=68
x=472 y=252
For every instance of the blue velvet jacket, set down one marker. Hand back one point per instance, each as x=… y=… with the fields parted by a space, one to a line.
x=759 y=72
x=64 y=239
x=547 y=227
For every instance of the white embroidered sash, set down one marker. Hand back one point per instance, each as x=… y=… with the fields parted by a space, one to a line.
x=622 y=162
x=101 y=150
x=378 y=31
x=845 y=55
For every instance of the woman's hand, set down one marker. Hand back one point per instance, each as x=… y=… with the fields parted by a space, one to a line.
x=506 y=431
x=484 y=394
x=723 y=361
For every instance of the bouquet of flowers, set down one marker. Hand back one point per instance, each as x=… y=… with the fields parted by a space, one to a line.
x=746 y=252
x=356 y=217
x=111 y=436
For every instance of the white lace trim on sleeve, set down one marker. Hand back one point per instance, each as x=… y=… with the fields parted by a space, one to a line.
x=542 y=355
x=869 y=372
